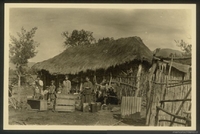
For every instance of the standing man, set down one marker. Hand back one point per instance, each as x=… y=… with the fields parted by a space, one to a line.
x=66 y=85
x=39 y=87
x=52 y=89
x=52 y=93
x=87 y=91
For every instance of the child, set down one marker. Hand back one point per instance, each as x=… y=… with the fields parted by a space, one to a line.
x=37 y=94
x=59 y=89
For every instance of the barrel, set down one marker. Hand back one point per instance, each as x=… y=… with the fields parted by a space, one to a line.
x=85 y=107
x=98 y=106
x=93 y=107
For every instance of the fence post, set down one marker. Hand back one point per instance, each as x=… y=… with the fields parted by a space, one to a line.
x=138 y=79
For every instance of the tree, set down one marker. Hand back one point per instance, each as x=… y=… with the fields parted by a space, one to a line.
x=186 y=47
x=105 y=40
x=78 y=38
x=22 y=49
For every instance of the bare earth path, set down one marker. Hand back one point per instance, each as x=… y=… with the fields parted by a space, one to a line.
x=103 y=117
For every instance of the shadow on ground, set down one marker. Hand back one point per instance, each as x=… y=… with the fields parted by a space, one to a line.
x=133 y=119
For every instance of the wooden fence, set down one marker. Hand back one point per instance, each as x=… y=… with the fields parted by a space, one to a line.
x=131 y=91
x=130 y=105
x=169 y=98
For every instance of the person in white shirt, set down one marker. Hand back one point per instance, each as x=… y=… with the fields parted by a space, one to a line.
x=66 y=85
x=39 y=87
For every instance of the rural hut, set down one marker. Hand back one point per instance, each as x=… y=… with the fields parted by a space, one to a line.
x=123 y=62
x=169 y=93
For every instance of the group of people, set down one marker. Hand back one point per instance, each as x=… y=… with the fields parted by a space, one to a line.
x=99 y=92
x=50 y=92
x=87 y=90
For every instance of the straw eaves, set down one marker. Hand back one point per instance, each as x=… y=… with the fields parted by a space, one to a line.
x=81 y=58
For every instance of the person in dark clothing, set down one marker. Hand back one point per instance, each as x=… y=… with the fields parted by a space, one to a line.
x=87 y=91
x=112 y=97
x=101 y=93
x=52 y=91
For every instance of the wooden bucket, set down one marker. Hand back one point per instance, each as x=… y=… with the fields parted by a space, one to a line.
x=130 y=106
x=85 y=107
x=93 y=107
x=98 y=106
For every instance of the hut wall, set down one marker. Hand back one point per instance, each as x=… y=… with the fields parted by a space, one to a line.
x=47 y=78
x=178 y=92
x=127 y=84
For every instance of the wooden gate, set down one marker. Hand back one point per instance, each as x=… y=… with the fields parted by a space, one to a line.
x=130 y=105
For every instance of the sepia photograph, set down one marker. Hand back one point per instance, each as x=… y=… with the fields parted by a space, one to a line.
x=100 y=67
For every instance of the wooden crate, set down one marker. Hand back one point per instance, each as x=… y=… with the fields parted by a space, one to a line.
x=65 y=108
x=65 y=103
x=37 y=104
x=69 y=96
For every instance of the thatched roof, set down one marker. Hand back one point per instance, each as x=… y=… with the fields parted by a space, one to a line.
x=179 y=66
x=180 y=61
x=166 y=52
x=178 y=56
x=100 y=56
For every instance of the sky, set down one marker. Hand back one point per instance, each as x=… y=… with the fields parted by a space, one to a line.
x=158 y=28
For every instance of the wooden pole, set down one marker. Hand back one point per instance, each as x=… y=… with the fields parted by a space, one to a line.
x=110 y=79
x=138 y=80
x=188 y=123
x=164 y=94
x=120 y=80
x=171 y=121
x=175 y=100
x=181 y=84
x=125 y=91
x=176 y=116
x=126 y=105
x=95 y=82
x=156 y=117
x=128 y=88
x=120 y=88
x=177 y=112
x=126 y=84
x=149 y=97
x=178 y=82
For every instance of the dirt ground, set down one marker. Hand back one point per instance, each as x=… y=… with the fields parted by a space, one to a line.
x=102 y=117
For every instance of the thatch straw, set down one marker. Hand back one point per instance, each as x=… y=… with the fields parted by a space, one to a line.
x=179 y=56
x=82 y=58
x=179 y=66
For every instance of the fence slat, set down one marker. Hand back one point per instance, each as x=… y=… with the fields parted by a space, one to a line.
x=130 y=105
